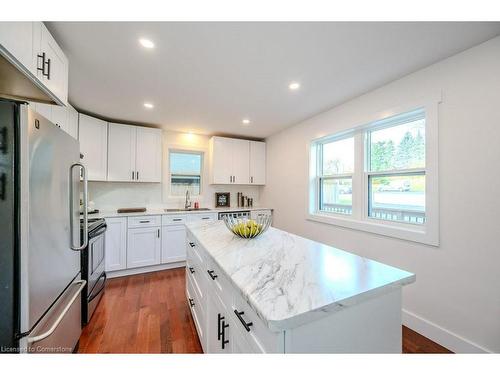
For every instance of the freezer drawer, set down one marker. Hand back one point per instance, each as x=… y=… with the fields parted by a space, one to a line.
x=60 y=329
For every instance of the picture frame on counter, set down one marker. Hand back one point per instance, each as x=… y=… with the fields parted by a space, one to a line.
x=222 y=199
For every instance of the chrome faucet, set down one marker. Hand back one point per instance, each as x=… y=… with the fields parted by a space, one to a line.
x=187 y=204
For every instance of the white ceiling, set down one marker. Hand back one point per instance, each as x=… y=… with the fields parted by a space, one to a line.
x=206 y=77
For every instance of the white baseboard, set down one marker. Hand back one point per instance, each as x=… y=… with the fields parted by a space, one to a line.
x=440 y=335
x=135 y=271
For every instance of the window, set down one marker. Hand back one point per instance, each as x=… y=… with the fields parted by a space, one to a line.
x=380 y=177
x=335 y=176
x=185 y=172
x=396 y=169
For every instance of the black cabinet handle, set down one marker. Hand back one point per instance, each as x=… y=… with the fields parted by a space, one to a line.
x=212 y=274
x=191 y=302
x=221 y=330
x=192 y=244
x=3 y=187
x=137 y=175
x=42 y=69
x=191 y=269
x=220 y=318
x=158 y=233
x=132 y=175
x=245 y=324
x=48 y=69
x=176 y=219
x=143 y=221
x=3 y=140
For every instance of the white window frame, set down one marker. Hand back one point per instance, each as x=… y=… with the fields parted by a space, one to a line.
x=319 y=167
x=185 y=151
x=427 y=233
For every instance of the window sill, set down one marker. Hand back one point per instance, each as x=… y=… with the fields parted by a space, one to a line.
x=404 y=232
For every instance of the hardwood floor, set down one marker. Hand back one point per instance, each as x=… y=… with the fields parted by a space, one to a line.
x=144 y=313
x=148 y=313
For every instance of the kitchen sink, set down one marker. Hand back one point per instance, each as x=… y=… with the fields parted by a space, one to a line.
x=185 y=209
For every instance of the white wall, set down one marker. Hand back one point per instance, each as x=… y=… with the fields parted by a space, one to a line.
x=456 y=298
x=111 y=195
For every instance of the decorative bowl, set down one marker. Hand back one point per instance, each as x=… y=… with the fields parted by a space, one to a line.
x=248 y=228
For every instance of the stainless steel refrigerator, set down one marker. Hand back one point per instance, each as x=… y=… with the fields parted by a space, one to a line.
x=40 y=284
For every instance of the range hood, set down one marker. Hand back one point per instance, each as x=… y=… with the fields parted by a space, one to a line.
x=18 y=83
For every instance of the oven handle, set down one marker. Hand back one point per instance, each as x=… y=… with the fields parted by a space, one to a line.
x=101 y=288
x=85 y=208
x=99 y=231
x=51 y=330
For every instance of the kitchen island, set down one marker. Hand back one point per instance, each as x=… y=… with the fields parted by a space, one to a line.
x=283 y=293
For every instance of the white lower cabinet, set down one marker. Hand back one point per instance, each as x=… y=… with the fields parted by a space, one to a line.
x=143 y=246
x=116 y=243
x=230 y=324
x=173 y=246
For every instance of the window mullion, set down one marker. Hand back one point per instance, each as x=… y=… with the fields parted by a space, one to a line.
x=357 y=177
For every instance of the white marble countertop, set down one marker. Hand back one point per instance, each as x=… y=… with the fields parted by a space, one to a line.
x=161 y=211
x=289 y=280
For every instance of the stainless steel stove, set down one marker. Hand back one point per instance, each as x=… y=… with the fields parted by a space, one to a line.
x=92 y=267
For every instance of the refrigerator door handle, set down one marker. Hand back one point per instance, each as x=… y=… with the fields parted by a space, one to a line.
x=85 y=208
x=51 y=330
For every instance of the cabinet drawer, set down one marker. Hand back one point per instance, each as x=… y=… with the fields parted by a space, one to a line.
x=257 y=334
x=173 y=219
x=197 y=312
x=198 y=281
x=218 y=283
x=207 y=216
x=194 y=248
x=144 y=221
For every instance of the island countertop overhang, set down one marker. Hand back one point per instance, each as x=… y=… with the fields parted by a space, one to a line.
x=289 y=280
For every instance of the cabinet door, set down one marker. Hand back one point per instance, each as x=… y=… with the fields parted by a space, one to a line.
x=121 y=152
x=93 y=137
x=60 y=117
x=17 y=39
x=241 y=161
x=221 y=160
x=143 y=247
x=44 y=109
x=116 y=243
x=257 y=163
x=173 y=243
x=148 y=154
x=72 y=126
x=56 y=67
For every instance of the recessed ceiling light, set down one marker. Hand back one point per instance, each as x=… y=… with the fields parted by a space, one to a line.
x=245 y=121
x=294 y=86
x=148 y=105
x=146 y=43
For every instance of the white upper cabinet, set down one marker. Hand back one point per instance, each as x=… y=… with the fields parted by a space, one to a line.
x=93 y=137
x=51 y=63
x=17 y=39
x=33 y=50
x=221 y=163
x=257 y=163
x=148 y=154
x=72 y=125
x=231 y=161
x=121 y=152
x=134 y=153
x=241 y=161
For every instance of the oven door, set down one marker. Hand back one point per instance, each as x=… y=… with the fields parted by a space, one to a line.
x=96 y=254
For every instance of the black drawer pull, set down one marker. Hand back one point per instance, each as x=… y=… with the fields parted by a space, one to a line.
x=245 y=324
x=3 y=144
x=220 y=318
x=3 y=187
x=191 y=302
x=192 y=244
x=191 y=269
x=205 y=218
x=176 y=219
x=144 y=221
x=212 y=274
